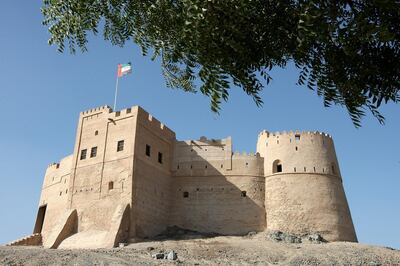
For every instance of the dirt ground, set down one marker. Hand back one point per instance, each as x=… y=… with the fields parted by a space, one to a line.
x=221 y=250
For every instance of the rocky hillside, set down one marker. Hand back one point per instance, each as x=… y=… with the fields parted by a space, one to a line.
x=254 y=249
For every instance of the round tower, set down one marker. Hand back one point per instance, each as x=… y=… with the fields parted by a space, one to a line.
x=303 y=186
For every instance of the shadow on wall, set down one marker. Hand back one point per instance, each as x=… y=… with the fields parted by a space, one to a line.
x=213 y=191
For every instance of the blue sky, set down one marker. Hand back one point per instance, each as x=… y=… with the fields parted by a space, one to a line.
x=43 y=91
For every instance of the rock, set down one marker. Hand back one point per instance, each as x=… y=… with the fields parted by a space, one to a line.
x=150 y=248
x=121 y=245
x=251 y=234
x=314 y=238
x=158 y=256
x=275 y=235
x=285 y=237
x=292 y=239
x=172 y=255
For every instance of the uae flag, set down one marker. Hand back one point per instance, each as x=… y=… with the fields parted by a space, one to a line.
x=124 y=69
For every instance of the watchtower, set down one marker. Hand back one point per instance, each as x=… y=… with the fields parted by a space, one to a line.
x=303 y=185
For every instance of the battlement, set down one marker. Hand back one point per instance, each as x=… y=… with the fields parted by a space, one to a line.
x=245 y=154
x=292 y=133
x=153 y=122
x=102 y=109
x=54 y=165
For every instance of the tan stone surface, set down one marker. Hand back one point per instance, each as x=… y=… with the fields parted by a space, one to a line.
x=65 y=227
x=199 y=185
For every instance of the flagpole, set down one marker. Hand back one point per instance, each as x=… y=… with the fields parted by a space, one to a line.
x=116 y=92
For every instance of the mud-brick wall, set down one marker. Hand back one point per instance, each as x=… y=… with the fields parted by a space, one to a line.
x=102 y=180
x=232 y=205
x=55 y=193
x=308 y=203
x=151 y=175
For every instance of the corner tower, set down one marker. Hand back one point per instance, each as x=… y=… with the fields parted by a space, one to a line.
x=303 y=185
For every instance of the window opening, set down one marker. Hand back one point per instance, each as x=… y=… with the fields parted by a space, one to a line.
x=96 y=133
x=297 y=148
x=118 y=113
x=333 y=169
x=186 y=194
x=276 y=166
x=110 y=185
x=243 y=194
x=120 y=145
x=148 y=150
x=128 y=110
x=297 y=137
x=83 y=154
x=93 y=152
x=160 y=159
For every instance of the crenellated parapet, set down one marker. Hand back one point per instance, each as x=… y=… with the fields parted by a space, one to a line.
x=100 y=109
x=298 y=152
x=152 y=123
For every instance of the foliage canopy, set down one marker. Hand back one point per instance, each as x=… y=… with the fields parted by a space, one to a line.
x=346 y=51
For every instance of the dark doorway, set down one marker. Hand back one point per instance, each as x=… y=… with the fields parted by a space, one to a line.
x=40 y=219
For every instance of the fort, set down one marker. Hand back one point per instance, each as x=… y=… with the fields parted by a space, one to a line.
x=129 y=178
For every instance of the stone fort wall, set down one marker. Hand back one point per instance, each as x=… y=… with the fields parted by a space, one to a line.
x=215 y=190
x=303 y=185
x=292 y=183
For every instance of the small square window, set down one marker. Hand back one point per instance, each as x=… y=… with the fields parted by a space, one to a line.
x=93 y=152
x=118 y=113
x=160 y=157
x=120 y=145
x=243 y=194
x=83 y=154
x=128 y=111
x=148 y=150
x=186 y=194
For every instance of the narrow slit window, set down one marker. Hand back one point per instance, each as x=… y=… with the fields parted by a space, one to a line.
x=305 y=169
x=333 y=169
x=83 y=154
x=148 y=150
x=297 y=148
x=96 y=133
x=93 y=152
x=160 y=157
x=279 y=168
x=110 y=185
x=120 y=145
